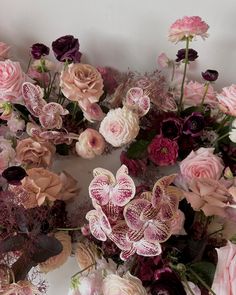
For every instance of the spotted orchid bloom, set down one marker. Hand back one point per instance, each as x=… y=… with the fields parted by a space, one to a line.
x=137 y=101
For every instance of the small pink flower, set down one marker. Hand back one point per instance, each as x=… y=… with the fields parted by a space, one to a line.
x=188 y=26
x=93 y=112
x=163 y=151
x=227 y=100
x=4 y=50
x=162 y=60
x=90 y=144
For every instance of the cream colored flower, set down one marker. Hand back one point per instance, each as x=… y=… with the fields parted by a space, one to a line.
x=86 y=255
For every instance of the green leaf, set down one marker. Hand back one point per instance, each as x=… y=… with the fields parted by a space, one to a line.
x=137 y=149
x=205 y=270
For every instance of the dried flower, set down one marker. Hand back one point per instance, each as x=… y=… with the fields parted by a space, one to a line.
x=86 y=255
x=38 y=50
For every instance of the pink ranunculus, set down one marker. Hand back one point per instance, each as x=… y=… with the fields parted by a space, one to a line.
x=162 y=60
x=163 y=151
x=7 y=153
x=120 y=126
x=202 y=164
x=11 y=80
x=4 y=50
x=93 y=112
x=188 y=26
x=194 y=91
x=227 y=100
x=225 y=280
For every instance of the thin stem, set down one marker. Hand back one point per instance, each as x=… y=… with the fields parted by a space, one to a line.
x=221 y=137
x=204 y=95
x=222 y=124
x=184 y=76
x=74 y=110
x=68 y=229
x=79 y=272
x=28 y=66
x=173 y=71
x=187 y=285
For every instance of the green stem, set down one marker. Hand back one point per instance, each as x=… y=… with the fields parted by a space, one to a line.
x=220 y=138
x=222 y=124
x=204 y=95
x=68 y=229
x=187 y=285
x=28 y=66
x=74 y=110
x=184 y=76
x=79 y=272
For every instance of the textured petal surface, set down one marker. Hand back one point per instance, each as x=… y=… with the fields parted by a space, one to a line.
x=118 y=236
x=132 y=213
x=94 y=225
x=124 y=191
x=146 y=248
x=158 y=231
x=99 y=189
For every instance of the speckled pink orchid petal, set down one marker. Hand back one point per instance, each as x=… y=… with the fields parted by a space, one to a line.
x=56 y=137
x=135 y=235
x=99 y=189
x=118 y=236
x=125 y=255
x=122 y=170
x=124 y=191
x=94 y=225
x=137 y=101
x=145 y=248
x=50 y=121
x=54 y=108
x=112 y=211
x=101 y=171
x=149 y=212
x=167 y=211
x=157 y=231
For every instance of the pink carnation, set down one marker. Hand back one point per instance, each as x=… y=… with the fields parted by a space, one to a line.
x=227 y=100
x=188 y=26
x=163 y=151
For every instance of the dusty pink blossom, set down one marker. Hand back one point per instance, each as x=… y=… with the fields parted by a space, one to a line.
x=15 y=123
x=93 y=112
x=202 y=164
x=188 y=26
x=7 y=153
x=42 y=78
x=4 y=50
x=90 y=144
x=177 y=224
x=227 y=100
x=162 y=60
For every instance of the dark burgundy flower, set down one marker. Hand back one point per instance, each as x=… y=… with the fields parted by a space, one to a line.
x=135 y=167
x=14 y=174
x=192 y=54
x=171 y=128
x=210 y=75
x=194 y=124
x=66 y=48
x=109 y=81
x=38 y=50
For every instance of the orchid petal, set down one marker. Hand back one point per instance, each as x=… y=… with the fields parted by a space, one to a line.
x=145 y=248
x=94 y=225
x=55 y=108
x=112 y=211
x=101 y=171
x=99 y=189
x=50 y=121
x=167 y=211
x=118 y=236
x=157 y=231
x=125 y=255
x=124 y=191
x=122 y=170
x=132 y=212
x=135 y=235
x=149 y=213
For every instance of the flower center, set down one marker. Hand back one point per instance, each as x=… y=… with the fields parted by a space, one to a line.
x=164 y=150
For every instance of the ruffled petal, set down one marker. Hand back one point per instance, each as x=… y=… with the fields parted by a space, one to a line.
x=157 y=231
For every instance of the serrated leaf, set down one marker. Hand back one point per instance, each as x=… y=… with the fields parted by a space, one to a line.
x=137 y=149
x=206 y=270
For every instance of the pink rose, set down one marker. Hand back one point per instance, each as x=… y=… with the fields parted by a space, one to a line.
x=11 y=80
x=93 y=112
x=194 y=91
x=90 y=144
x=4 y=50
x=188 y=26
x=202 y=164
x=119 y=127
x=224 y=281
x=227 y=100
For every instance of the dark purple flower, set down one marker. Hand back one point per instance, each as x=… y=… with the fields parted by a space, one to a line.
x=14 y=174
x=171 y=128
x=210 y=75
x=66 y=48
x=194 y=124
x=192 y=55
x=38 y=50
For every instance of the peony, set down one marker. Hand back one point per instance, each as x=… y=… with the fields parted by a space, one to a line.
x=35 y=154
x=128 y=285
x=163 y=151
x=86 y=256
x=90 y=144
x=11 y=80
x=188 y=26
x=4 y=50
x=224 y=280
x=227 y=100
x=82 y=83
x=119 y=127
x=202 y=164
x=194 y=91
x=58 y=260
x=7 y=153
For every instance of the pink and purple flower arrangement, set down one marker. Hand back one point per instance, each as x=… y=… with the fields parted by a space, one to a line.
x=165 y=222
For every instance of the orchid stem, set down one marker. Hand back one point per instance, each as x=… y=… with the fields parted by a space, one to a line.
x=187 y=285
x=220 y=138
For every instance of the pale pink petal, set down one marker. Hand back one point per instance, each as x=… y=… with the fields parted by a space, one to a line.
x=99 y=189
x=50 y=121
x=101 y=171
x=136 y=101
x=158 y=231
x=104 y=222
x=124 y=191
x=122 y=170
x=144 y=105
x=145 y=248
x=195 y=200
x=55 y=108
x=94 y=225
x=118 y=236
x=125 y=255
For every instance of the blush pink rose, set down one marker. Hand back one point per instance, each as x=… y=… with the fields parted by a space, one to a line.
x=227 y=100
x=225 y=279
x=93 y=112
x=194 y=91
x=90 y=144
x=202 y=164
x=188 y=26
x=4 y=50
x=11 y=80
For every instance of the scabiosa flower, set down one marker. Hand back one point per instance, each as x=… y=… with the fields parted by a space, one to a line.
x=38 y=50
x=66 y=48
x=171 y=128
x=194 y=124
x=163 y=151
x=188 y=26
x=210 y=75
x=192 y=54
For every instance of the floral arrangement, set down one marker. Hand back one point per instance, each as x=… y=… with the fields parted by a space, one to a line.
x=164 y=224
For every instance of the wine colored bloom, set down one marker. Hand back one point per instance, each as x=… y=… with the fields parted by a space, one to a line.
x=163 y=151
x=227 y=100
x=66 y=48
x=210 y=75
x=171 y=128
x=38 y=50
x=14 y=174
x=192 y=55
x=188 y=27
x=135 y=166
x=194 y=124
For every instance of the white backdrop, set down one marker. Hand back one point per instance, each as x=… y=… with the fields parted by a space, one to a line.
x=123 y=34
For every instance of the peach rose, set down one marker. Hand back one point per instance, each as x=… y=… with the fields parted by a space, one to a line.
x=86 y=255
x=202 y=164
x=194 y=91
x=69 y=188
x=224 y=282
x=227 y=100
x=4 y=50
x=58 y=260
x=82 y=83
x=128 y=285
x=35 y=154
x=90 y=144
x=11 y=80
x=120 y=126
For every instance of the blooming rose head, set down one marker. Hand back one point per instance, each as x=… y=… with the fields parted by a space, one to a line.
x=56 y=261
x=11 y=80
x=82 y=83
x=192 y=55
x=163 y=151
x=119 y=127
x=35 y=154
x=210 y=75
x=90 y=144
x=202 y=164
x=194 y=124
x=86 y=256
x=38 y=50
x=4 y=50
x=227 y=100
x=66 y=48
x=194 y=91
x=128 y=285
x=69 y=188
x=188 y=27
